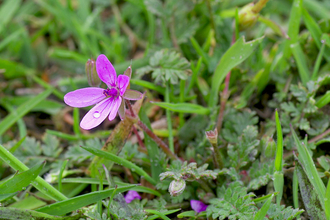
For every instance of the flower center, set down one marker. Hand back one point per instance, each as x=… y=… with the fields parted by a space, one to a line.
x=113 y=92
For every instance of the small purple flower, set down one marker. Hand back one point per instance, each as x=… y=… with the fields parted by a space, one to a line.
x=108 y=101
x=197 y=206
x=131 y=195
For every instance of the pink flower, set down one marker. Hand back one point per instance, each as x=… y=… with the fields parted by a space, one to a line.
x=131 y=195
x=108 y=101
x=197 y=206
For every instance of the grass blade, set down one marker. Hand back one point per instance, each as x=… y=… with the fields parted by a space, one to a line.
x=69 y=205
x=312 y=202
x=14 y=213
x=264 y=209
x=121 y=161
x=278 y=175
x=23 y=109
x=39 y=183
x=309 y=167
x=184 y=107
x=20 y=181
x=327 y=201
x=301 y=62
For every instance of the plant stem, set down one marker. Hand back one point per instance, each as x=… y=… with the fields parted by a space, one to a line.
x=225 y=94
x=182 y=92
x=319 y=136
x=38 y=183
x=168 y=117
x=162 y=145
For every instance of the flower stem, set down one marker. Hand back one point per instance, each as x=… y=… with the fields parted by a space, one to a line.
x=162 y=145
x=38 y=183
x=151 y=134
x=169 y=119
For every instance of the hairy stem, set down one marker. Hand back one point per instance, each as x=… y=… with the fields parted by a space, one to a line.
x=151 y=134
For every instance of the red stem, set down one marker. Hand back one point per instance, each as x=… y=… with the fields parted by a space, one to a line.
x=151 y=134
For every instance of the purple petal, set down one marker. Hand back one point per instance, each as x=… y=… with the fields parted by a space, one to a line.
x=97 y=114
x=106 y=71
x=84 y=97
x=122 y=109
x=131 y=195
x=114 y=107
x=197 y=206
x=132 y=95
x=123 y=82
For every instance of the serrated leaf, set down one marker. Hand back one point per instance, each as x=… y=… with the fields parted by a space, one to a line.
x=277 y=212
x=233 y=202
x=260 y=174
x=167 y=65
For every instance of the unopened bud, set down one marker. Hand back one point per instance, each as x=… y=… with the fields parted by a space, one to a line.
x=92 y=76
x=247 y=17
x=128 y=72
x=176 y=187
x=212 y=136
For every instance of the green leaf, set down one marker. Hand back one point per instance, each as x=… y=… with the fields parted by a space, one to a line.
x=274 y=26
x=309 y=167
x=278 y=185
x=327 y=201
x=282 y=212
x=167 y=65
x=309 y=196
x=121 y=161
x=23 y=109
x=7 y=196
x=324 y=100
x=39 y=183
x=21 y=180
x=14 y=213
x=152 y=147
x=260 y=174
x=264 y=209
x=279 y=148
x=235 y=55
x=301 y=62
x=187 y=214
x=97 y=181
x=69 y=205
x=233 y=202
x=7 y=11
x=184 y=107
x=316 y=32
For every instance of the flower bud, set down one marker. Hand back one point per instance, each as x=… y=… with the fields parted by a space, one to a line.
x=212 y=136
x=92 y=76
x=247 y=17
x=128 y=72
x=176 y=187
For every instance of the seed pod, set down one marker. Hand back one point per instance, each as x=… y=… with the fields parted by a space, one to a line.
x=92 y=76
